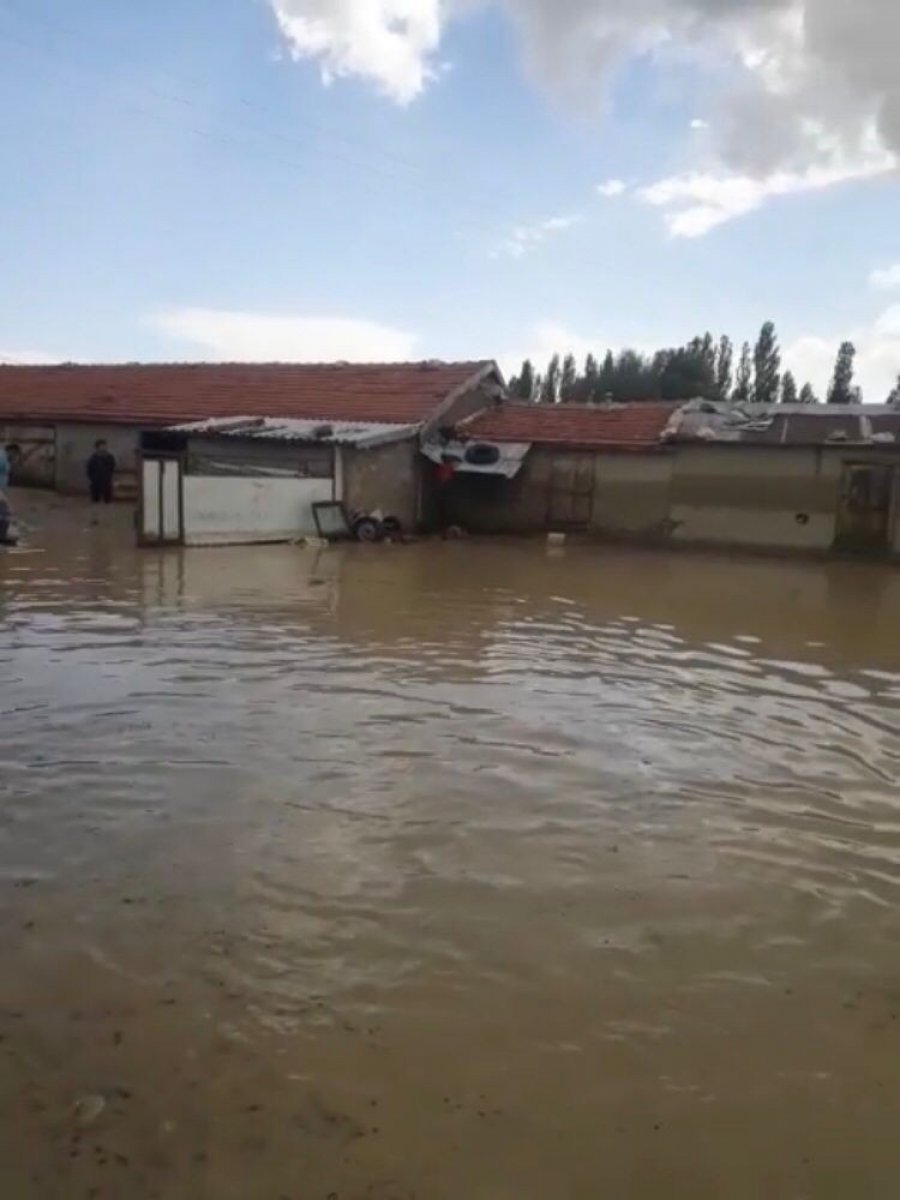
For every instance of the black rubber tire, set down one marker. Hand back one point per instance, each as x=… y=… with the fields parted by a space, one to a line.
x=482 y=454
x=367 y=529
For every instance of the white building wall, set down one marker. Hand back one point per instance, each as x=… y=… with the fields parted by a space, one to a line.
x=231 y=510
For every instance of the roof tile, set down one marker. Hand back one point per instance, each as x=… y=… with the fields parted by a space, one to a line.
x=164 y=394
x=628 y=427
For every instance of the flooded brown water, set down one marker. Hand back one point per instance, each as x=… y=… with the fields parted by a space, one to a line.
x=468 y=871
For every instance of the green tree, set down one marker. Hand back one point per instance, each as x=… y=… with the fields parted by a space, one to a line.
x=586 y=391
x=550 y=387
x=568 y=384
x=841 y=389
x=788 y=389
x=688 y=373
x=894 y=398
x=522 y=385
x=606 y=381
x=744 y=377
x=724 y=369
x=807 y=395
x=766 y=366
x=632 y=375
x=706 y=354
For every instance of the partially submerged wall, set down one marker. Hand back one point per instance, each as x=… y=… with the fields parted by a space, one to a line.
x=220 y=510
x=632 y=494
x=613 y=494
x=760 y=497
x=386 y=478
x=779 y=498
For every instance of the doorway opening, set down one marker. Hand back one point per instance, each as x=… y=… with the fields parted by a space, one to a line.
x=864 y=511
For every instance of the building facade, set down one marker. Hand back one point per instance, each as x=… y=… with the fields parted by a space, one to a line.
x=54 y=415
x=797 y=480
x=597 y=470
x=232 y=482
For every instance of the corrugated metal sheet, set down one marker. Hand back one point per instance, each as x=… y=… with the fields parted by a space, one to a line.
x=364 y=435
x=787 y=425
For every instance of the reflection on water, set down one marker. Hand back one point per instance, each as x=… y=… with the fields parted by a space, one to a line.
x=445 y=871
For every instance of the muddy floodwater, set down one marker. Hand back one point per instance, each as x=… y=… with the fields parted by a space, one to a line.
x=445 y=872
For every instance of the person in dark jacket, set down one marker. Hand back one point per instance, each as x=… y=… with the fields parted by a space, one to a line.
x=101 y=470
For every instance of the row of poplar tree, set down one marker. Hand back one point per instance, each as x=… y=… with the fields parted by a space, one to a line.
x=706 y=368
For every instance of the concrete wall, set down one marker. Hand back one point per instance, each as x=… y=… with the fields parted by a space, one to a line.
x=778 y=498
x=387 y=477
x=75 y=445
x=231 y=510
x=630 y=495
x=35 y=465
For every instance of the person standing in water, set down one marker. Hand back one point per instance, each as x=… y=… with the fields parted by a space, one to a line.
x=101 y=470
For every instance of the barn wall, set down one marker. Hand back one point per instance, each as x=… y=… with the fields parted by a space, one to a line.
x=614 y=494
x=386 y=478
x=779 y=498
x=632 y=495
x=231 y=510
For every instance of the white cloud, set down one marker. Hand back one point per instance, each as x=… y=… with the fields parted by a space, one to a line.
x=886 y=279
x=806 y=90
x=612 y=188
x=546 y=338
x=698 y=123
x=877 y=357
x=695 y=203
x=390 y=43
x=526 y=237
x=258 y=337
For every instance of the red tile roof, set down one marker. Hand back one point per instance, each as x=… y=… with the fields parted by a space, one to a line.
x=164 y=394
x=628 y=427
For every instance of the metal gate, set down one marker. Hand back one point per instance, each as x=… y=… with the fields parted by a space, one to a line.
x=160 y=501
x=571 y=492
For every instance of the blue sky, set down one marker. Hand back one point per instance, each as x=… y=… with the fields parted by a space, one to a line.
x=393 y=178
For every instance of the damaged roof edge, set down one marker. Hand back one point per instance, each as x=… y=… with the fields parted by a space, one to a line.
x=794 y=425
x=364 y=435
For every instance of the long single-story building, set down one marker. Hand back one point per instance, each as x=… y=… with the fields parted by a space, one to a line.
x=566 y=467
x=788 y=478
x=800 y=478
x=53 y=415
